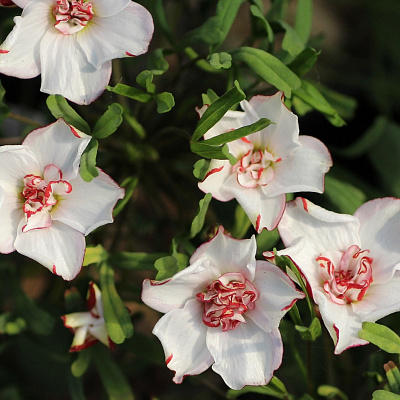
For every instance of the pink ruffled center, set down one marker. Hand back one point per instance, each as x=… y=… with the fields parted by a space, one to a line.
x=72 y=16
x=347 y=275
x=255 y=167
x=41 y=195
x=226 y=300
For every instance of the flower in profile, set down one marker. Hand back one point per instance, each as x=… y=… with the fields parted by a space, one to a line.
x=46 y=208
x=270 y=163
x=226 y=308
x=71 y=43
x=89 y=327
x=350 y=262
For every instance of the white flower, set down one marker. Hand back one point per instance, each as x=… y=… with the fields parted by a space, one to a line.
x=223 y=310
x=350 y=262
x=71 y=43
x=89 y=327
x=270 y=163
x=46 y=208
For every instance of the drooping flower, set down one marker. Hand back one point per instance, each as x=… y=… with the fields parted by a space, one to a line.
x=223 y=310
x=350 y=262
x=71 y=43
x=270 y=163
x=89 y=327
x=46 y=208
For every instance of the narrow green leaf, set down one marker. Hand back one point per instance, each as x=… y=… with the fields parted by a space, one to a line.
x=384 y=395
x=303 y=20
x=156 y=62
x=346 y=197
x=166 y=267
x=311 y=95
x=4 y=109
x=275 y=389
x=116 y=315
x=209 y=97
x=165 y=102
x=291 y=42
x=95 y=255
x=88 y=169
x=207 y=151
x=380 y=336
x=330 y=392
x=256 y=11
x=241 y=223
x=217 y=110
x=156 y=8
x=304 y=61
x=131 y=92
x=129 y=184
x=200 y=168
x=81 y=364
x=135 y=261
x=227 y=137
x=114 y=381
x=75 y=386
x=60 y=108
x=198 y=221
x=109 y=122
x=268 y=68
x=393 y=376
x=220 y=60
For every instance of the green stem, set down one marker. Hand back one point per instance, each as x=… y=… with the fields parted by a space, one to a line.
x=25 y=120
x=310 y=386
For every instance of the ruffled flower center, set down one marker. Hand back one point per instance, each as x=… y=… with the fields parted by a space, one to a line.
x=226 y=300
x=72 y=16
x=347 y=275
x=41 y=195
x=255 y=167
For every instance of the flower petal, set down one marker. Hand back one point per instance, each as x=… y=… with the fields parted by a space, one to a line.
x=100 y=333
x=74 y=320
x=379 y=300
x=89 y=204
x=128 y=31
x=341 y=321
x=106 y=8
x=183 y=337
x=60 y=145
x=66 y=71
x=213 y=183
x=23 y=57
x=262 y=210
x=303 y=170
x=380 y=233
x=173 y=293
x=21 y=3
x=277 y=295
x=229 y=254
x=246 y=355
x=59 y=248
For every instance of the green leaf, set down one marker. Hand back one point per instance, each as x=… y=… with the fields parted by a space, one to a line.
x=198 y=221
x=393 y=376
x=131 y=92
x=81 y=364
x=200 y=169
x=268 y=68
x=60 y=108
x=242 y=223
x=75 y=386
x=256 y=11
x=114 y=381
x=230 y=136
x=311 y=333
x=304 y=61
x=291 y=42
x=384 y=395
x=209 y=97
x=266 y=240
x=95 y=255
x=145 y=79
x=135 y=261
x=330 y=392
x=116 y=315
x=88 y=169
x=275 y=389
x=165 y=101
x=380 y=336
x=157 y=63
x=207 y=151
x=214 y=31
x=4 y=109
x=220 y=60
x=11 y=324
x=311 y=95
x=346 y=197
x=303 y=20
x=108 y=123
x=166 y=267
x=129 y=184
x=217 y=110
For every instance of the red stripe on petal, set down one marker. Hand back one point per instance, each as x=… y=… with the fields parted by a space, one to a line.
x=167 y=361
x=213 y=171
x=258 y=223
x=158 y=283
x=91 y=299
x=129 y=54
x=4 y=51
x=73 y=130
x=289 y=306
x=54 y=270
x=305 y=205
x=83 y=346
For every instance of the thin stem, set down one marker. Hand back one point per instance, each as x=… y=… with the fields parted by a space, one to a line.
x=310 y=386
x=25 y=120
